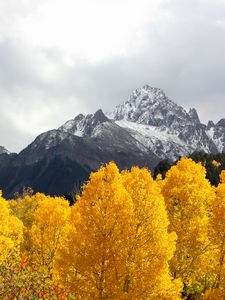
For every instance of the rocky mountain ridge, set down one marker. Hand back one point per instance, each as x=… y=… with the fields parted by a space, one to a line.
x=156 y=123
x=143 y=130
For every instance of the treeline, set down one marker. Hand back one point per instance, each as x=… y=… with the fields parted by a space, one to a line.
x=213 y=163
x=127 y=237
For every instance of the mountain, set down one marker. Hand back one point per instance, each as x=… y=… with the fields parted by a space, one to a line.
x=3 y=150
x=59 y=160
x=164 y=127
x=216 y=132
x=142 y=131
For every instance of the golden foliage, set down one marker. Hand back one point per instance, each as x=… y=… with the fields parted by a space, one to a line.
x=128 y=237
x=188 y=196
x=218 y=232
x=10 y=232
x=92 y=258
x=151 y=247
x=213 y=294
x=30 y=277
x=216 y=163
x=118 y=239
x=11 y=236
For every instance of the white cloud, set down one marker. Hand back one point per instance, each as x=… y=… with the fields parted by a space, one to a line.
x=90 y=30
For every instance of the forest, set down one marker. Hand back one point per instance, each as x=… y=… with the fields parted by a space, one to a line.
x=128 y=236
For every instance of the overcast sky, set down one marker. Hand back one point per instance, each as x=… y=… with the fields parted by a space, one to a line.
x=59 y=58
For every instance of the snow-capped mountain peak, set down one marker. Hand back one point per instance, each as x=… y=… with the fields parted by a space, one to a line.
x=158 y=122
x=3 y=150
x=150 y=106
x=84 y=125
x=194 y=115
x=151 y=121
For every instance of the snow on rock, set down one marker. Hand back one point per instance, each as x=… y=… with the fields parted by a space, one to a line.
x=151 y=106
x=166 y=128
x=83 y=125
x=162 y=143
x=216 y=133
x=49 y=139
x=3 y=150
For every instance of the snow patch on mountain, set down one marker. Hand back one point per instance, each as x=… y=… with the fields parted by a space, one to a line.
x=3 y=150
x=161 y=142
x=84 y=125
x=150 y=131
x=49 y=139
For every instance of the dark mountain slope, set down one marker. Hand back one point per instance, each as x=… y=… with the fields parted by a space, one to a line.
x=57 y=160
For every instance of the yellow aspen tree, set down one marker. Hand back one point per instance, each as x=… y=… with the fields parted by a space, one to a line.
x=92 y=259
x=11 y=236
x=24 y=209
x=150 y=246
x=188 y=196
x=99 y=259
x=48 y=222
x=11 y=232
x=47 y=230
x=218 y=232
x=44 y=218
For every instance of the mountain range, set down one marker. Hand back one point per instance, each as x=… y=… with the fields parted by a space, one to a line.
x=145 y=129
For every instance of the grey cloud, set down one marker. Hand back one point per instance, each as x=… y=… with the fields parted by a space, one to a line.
x=17 y=70
x=13 y=138
x=183 y=54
